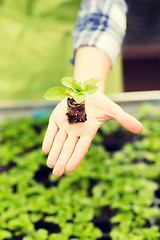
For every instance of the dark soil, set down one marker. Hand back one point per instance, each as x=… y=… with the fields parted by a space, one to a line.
x=93 y=182
x=75 y=112
x=103 y=224
x=7 y=168
x=104 y=238
x=51 y=227
x=122 y=137
x=20 y=237
x=42 y=176
x=157 y=199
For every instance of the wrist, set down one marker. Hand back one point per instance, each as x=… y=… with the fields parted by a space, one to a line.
x=91 y=62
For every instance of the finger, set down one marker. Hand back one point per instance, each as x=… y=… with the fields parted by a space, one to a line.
x=79 y=153
x=49 y=137
x=128 y=122
x=57 y=146
x=66 y=153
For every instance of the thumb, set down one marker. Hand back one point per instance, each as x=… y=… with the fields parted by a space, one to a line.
x=127 y=121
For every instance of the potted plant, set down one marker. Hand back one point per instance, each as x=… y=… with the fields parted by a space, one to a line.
x=76 y=94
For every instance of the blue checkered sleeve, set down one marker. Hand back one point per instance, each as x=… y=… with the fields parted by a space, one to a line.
x=101 y=23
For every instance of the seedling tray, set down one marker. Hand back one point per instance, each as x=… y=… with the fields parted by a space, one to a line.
x=131 y=159
x=130 y=101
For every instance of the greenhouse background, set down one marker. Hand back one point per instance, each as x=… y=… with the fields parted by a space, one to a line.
x=115 y=192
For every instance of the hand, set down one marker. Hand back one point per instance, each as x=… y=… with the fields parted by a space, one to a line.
x=71 y=141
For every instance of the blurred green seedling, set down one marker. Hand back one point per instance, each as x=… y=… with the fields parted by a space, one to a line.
x=75 y=89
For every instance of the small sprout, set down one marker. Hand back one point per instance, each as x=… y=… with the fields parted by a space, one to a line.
x=74 y=89
x=76 y=94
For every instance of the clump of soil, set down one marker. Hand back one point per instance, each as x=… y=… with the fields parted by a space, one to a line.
x=75 y=112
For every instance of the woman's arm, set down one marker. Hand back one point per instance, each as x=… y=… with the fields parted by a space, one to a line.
x=101 y=24
x=97 y=38
x=96 y=50
x=71 y=141
x=92 y=62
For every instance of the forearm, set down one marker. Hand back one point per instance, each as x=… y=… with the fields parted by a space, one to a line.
x=92 y=62
x=100 y=28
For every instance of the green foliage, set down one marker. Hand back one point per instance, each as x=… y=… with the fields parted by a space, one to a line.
x=56 y=93
x=72 y=83
x=89 y=86
x=74 y=89
x=119 y=185
x=5 y=234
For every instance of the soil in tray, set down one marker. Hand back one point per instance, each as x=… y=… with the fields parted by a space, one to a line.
x=157 y=198
x=103 y=224
x=50 y=227
x=20 y=237
x=117 y=140
x=112 y=142
x=104 y=238
x=42 y=176
x=157 y=193
x=7 y=168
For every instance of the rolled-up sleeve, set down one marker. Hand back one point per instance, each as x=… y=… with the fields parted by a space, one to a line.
x=101 y=23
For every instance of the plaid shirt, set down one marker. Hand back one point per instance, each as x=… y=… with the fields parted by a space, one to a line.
x=101 y=23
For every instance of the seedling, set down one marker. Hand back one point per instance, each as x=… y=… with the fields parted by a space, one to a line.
x=76 y=94
x=74 y=206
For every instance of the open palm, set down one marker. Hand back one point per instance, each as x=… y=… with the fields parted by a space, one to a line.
x=71 y=141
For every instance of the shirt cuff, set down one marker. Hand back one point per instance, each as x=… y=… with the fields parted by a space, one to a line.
x=105 y=32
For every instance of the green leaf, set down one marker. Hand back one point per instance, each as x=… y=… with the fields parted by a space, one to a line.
x=79 y=98
x=27 y=238
x=72 y=83
x=41 y=234
x=89 y=85
x=122 y=216
x=56 y=93
x=67 y=230
x=5 y=234
x=91 y=81
x=35 y=217
x=70 y=91
x=85 y=215
x=52 y=219
x=90 y=89
x=55 y=236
